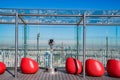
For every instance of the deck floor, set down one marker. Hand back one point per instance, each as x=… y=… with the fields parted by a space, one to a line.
x=42 y=75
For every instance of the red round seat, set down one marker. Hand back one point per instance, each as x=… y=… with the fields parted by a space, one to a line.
x=94 y=68
x=113 y=68
x=29 y=66
x=2 y=67
x=73 y=66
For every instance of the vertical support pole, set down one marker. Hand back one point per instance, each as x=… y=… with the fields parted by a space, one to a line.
x=84 y=44
x=3 y=53
x=38 y=35
x=62 y=48
x=77 y=41
x=38 y=57
x=106 y=43
x=25 y=41
x=116 y=35
x=103 y=57
x=16 y=45
x=107 y=47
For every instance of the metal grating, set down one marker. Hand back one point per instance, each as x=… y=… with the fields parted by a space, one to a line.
x=42 y=75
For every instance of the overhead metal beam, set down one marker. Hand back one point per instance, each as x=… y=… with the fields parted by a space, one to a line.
x=88 y=24
x=52 y=15
x=31 y=23
x=7 y=14
x=102 y=15
x=80 y=21
x=68 y=15
x=58 y=15
x=22 y=19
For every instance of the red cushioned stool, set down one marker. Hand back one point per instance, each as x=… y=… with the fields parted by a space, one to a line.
x=73 y=66
x=2 y=67
x=94 y=68
x=113 y=68
x=29 y=66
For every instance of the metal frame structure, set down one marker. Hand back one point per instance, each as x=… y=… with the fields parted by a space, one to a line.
x=58 y=17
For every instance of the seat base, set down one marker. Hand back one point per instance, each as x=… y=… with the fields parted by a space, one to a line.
x=51 y=70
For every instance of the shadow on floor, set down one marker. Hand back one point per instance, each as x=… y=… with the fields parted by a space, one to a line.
x=10 y=72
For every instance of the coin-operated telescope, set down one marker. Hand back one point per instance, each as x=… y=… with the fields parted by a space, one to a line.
x=50 y=67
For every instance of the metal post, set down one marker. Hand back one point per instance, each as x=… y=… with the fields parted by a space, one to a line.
x=107 y=47
x=25 y=41
x=16 y=44
x=84 y=44
x=103 y=57
x=3 y=53
x=77 y=40
x=106 y=43
x=38 y=35
x=116 y=35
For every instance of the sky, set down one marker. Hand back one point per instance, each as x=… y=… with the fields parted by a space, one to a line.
x=67 y=35
x=71 y=4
